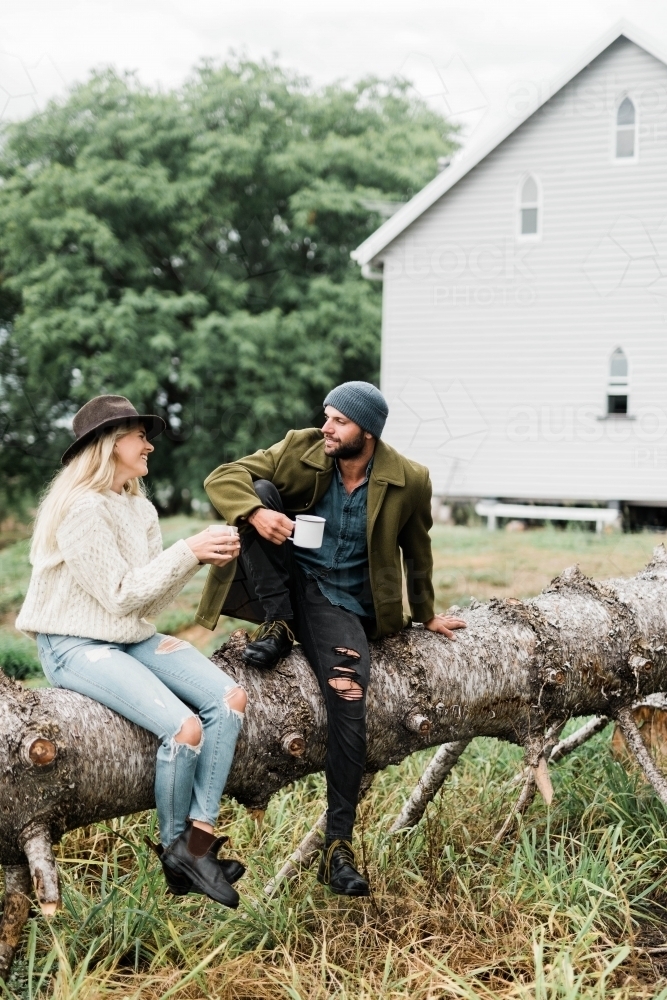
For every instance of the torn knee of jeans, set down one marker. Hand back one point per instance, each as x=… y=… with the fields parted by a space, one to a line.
x=175 y=747
x=237 y=700
x=346 y=687
x=176 y=743
x=344 y=651
x=170 y=644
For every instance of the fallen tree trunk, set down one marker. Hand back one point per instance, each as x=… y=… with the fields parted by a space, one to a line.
x=518 y=672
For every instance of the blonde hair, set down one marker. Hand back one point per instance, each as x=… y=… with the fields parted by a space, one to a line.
x=93 y=468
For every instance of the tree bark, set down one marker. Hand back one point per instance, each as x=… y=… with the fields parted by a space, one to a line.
x=516 y=672
x=14 y=914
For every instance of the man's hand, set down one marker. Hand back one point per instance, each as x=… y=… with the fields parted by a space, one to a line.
x=445 y=625
x=272 y=525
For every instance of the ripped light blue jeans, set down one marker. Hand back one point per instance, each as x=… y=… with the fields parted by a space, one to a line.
x=157 y=683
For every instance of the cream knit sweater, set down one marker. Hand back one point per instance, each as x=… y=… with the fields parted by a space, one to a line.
x=109 y=572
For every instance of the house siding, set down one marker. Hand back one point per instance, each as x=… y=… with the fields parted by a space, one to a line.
x=495 y=351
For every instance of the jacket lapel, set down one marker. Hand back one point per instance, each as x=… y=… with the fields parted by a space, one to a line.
x=387 y=469
x=316 y=459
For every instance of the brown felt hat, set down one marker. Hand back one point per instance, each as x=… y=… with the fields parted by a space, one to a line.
x=103 y=412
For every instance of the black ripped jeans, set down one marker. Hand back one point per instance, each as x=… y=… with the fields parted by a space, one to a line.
x=325 y=631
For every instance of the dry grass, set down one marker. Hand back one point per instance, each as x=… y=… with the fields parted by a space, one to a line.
x=572 y=906
x=483 y=564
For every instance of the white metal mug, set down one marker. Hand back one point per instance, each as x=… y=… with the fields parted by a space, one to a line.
x=223 y=529
x=308 y=531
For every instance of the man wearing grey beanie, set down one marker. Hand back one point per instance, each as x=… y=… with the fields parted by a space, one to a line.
x=376 y=505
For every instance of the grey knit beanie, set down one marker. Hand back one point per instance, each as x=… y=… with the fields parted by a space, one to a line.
x=361 y=402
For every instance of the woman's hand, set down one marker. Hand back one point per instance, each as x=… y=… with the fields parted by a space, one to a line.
x=214 y=547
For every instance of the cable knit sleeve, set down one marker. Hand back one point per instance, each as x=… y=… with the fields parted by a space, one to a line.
x=154 y=549
x=88 y=545
x=155 y=546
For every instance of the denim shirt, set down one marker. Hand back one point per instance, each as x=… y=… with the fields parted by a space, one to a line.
x=340 y=565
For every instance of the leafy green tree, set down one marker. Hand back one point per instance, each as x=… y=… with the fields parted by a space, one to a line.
x=190 y=250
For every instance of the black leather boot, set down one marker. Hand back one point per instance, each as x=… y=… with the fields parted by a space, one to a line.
x=268 y=644
x=192 y=856
x=338 y=872
x=181 y=885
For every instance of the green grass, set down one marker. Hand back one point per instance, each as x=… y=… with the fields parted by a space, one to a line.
x=568 y=907
x=484 y=564
x=573 y=905
x=18 y=657
x=14 y=576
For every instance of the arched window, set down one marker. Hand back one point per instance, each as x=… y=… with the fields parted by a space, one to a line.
x=529 y=210
x=626 y=130
x=617 y=386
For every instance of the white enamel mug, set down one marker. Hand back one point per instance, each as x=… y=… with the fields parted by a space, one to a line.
x=223 y=529
x=308 y=531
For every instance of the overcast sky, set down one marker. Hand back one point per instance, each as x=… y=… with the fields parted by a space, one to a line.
x=462 y=56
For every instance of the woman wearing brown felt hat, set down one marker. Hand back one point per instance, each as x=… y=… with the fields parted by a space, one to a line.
x=99 y=571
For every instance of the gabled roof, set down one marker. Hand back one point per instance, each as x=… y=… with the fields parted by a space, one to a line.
x=462 y=165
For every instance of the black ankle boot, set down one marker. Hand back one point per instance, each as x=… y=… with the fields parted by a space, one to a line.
x=230 y=867
x=192 y=856
x=268 y=644
x=181 y=885
x=338 y=872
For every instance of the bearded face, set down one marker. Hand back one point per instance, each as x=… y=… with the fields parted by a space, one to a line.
x=337 y=447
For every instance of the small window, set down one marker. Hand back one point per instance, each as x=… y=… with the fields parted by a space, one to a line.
x=626 y=130
x=617 y=386
x=529 y=219
x=617 y=404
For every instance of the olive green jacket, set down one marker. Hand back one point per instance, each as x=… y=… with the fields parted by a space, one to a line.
x=399 y=516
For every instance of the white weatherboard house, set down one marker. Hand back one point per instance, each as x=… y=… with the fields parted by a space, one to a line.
x=524 y=336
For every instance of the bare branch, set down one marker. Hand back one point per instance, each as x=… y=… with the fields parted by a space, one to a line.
x=303 y=856
x=578 y=738
x=522 y=803
x=543 y=781
x=641 y=754
x=36 y=843
x=429 y=784
x=535 y=776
